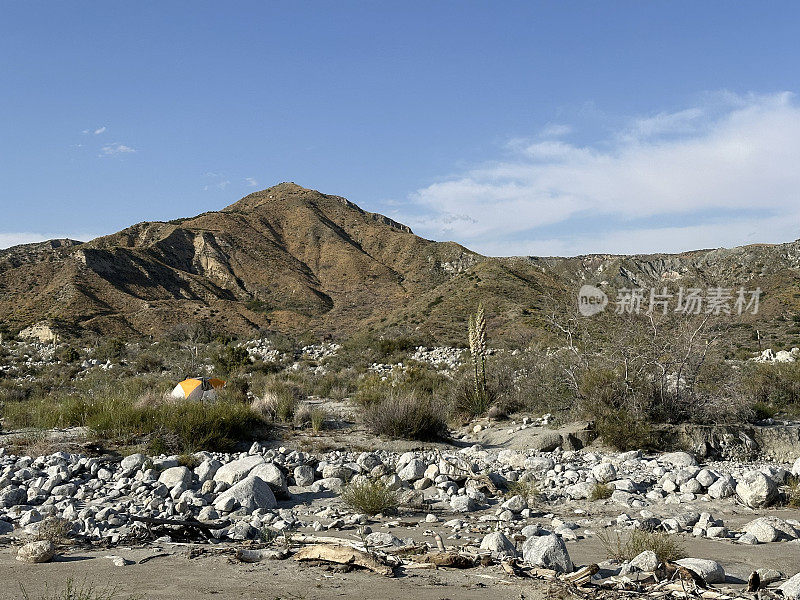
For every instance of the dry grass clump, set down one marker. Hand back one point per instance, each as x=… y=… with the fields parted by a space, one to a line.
x=601 y=491
x=370 y=497
x=793 y=491
x=310 y=417
x=54 y=529
x=406 y=415
x=621 y=547
x=526 y=489
x=278 y=402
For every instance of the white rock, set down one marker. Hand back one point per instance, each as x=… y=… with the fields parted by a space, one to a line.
x=37 y=552
x=498 y=544
x=791 y=588
x=547 y=551
x=710 y=570
x=604 y=472
x=176 y=476
x=250 y=493
x=756 y=490
x=235 y=471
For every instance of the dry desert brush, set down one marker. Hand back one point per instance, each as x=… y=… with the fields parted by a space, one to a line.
x=406 y=415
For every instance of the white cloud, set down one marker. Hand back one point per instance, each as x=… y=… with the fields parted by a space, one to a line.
x=116 y=149
x=698 y=168
x=100 y=130
x=555 y=130
x=251 y=182
x=9 y=239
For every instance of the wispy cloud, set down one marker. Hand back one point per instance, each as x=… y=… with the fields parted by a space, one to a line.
x=217 y=181
x=251 y=182
x=100 y=130
x=718 y=174
x=116 y=149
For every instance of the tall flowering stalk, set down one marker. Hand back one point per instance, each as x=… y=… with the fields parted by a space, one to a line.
x=477 y=350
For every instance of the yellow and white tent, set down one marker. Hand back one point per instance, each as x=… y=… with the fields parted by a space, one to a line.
x=198 y=388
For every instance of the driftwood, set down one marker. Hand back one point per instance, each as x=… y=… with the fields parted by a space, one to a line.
x=252 y=556
x=448 y=559
x=582 y=575
x=190 y=527
x=343 y=555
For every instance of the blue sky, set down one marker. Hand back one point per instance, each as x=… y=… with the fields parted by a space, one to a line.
x=513 y=127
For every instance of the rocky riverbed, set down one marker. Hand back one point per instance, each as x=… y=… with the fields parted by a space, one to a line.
x=475 y=501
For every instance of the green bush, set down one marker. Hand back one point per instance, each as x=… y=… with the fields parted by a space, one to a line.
x=600 y=491
x=370 y=497
x=231 y=359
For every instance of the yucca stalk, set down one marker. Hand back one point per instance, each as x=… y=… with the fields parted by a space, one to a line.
x=477 y=350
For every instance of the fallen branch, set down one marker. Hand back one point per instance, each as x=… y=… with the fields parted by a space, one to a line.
x=343 y=555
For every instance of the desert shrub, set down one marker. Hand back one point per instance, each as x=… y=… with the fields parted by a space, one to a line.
x=110 y=349
x=54 y=529
x=279 y=401
x=148 y=362
x=600 y=491
x=525 y=488
x=232 y=358
x=318 y=417
x=190 y=461
x=762 y=410
x=624 y=430
x=465 y=403
x=406 y=415
x=793 y=491
x=370 y=497
x=67 y=354
x=15 y=391
x=114 y=410
x=372 y=389
x=776 y=385
x=623 y=547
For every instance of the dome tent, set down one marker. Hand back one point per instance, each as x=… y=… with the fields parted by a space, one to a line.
x=198 y=388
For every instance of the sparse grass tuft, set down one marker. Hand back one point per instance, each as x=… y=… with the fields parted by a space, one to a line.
x=190 y=461
x=624 y=547
x=73 y=591
x=601 y=491
x=526 y=489
x=793 y=491
x=370 y=497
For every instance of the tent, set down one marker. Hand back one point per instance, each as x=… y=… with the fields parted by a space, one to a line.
x=198 y=388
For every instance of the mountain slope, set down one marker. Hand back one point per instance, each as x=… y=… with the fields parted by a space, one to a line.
x=292 y=259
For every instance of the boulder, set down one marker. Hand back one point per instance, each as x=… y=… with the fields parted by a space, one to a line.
x=724 y=487
x=756 y=490
x=303 y=475
x=679 y=459
x=710 y=570
x=498 y=544
x=415 y=469
x=250 y=493
x=646 y=561
x=274 y=477
x=516 y=504
x=547 y=551
x=796 y=467
x=132 y=462
x=791 y=588
x=37 y=552
x=176 y=476
x=462 y=504
x=13 y=496
x=383 y=539
x=235 y=471
x=604 y=472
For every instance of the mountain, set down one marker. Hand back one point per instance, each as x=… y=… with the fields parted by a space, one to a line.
x=292 y=259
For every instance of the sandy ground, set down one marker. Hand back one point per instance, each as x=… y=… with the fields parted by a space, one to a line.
x=178 y=577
